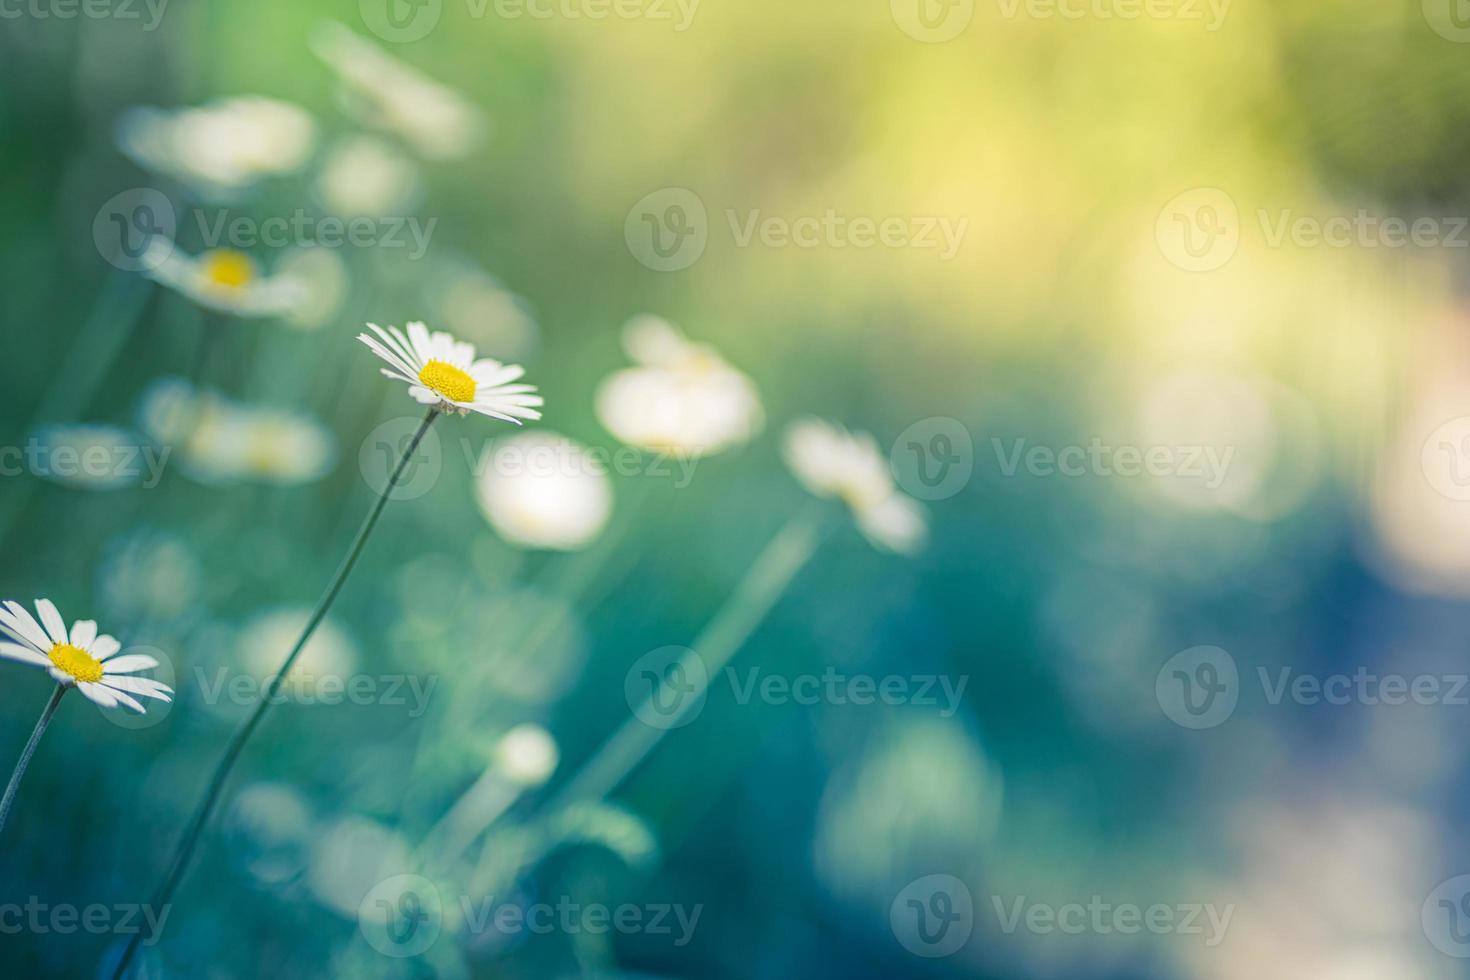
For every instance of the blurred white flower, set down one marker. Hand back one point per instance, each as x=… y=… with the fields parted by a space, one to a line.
x=266 y=638
x=363 y=176
x=147 y=574
x=221 y=147
x=351 y=857
x=476 y=306
x=222 y=441
x=323 y=275
x=526 y=755
x=270 y=830
x=444 y=372
x=542 y=490
x=832 y=462
x=226 y=281
x=82 y=657
x=683 y=397
x=93 y=457
x=387 y=94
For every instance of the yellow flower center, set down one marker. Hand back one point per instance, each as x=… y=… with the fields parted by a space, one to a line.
x=227 y=268
x=77 y=662
x=448 y=381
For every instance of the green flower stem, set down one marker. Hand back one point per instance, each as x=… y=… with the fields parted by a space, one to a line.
x=25 y=756
x=716 y=645
x=190 y=840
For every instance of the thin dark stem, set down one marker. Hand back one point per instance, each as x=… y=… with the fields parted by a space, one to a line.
x=28 y=751
x=190 y=840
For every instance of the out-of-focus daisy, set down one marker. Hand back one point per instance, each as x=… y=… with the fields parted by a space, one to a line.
x=91 y=457
x=225 y=280
x=542 y=490
x=683 y=397
x=222 y=441
x=832 y=462
x=330 y=653
x=475 y=305
x=322 y=278
x=363 y=176
x=82 y=658
x=387 y=94
x=222 y=147
x=442 y=371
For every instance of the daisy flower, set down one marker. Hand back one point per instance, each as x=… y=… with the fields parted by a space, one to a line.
x=444 y=372
x=542 y=490
x=832 y=462
x=82 y=658
x=220 y=148
x=225 y=281
x=682 y=397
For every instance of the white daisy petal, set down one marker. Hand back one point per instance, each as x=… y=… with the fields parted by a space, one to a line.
x=423 y=395
x=98 y=694
x=83 y=632
x=104 y=646
x=19 y=623
x=61 y=677
x=146 y=686
x=128 y=663
x=24 y=654
x=126 y=699
x=51 y=619
x=418 y=335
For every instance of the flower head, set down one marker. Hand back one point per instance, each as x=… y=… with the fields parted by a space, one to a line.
x=226 y=281
x=390 y=95
x=542 y=490
x=832 y=462
x=220 y=148
x=80 y=658
x=682 y=397
x=443 y=371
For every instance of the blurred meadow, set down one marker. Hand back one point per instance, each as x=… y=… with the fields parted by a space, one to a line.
x=1131 y=645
